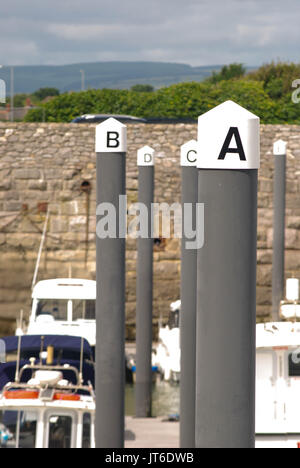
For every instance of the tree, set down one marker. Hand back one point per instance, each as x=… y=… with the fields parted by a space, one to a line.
x=43 y=93
x=277 y=78
x=142 y=88
x=228 y=72
x=20 y=99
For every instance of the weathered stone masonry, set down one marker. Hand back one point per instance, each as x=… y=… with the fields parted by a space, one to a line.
x=51 y=164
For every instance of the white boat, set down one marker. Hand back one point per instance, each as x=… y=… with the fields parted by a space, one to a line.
x=277 y=374
x=47 y=411
x=167 y=355
x=278 y=385
x=63 y=306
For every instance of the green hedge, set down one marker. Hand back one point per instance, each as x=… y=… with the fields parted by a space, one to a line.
x=267 y=93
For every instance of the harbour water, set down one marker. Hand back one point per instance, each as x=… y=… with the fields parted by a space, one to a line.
x=165 y=399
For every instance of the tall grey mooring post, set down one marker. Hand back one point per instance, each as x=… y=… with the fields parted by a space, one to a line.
x=279 y=151
x=228 y=162
x=110 y=260
x=189 y=198
x=144 y=293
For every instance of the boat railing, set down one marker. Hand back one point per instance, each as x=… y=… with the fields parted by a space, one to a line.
x=44 y=367
x=78 y=387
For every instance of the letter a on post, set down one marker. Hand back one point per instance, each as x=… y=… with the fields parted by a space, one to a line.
x=228 y=138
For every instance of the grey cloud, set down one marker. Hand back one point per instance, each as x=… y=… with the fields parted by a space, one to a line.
x=198 y=32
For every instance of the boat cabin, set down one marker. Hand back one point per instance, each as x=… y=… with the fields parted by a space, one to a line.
x=64 y=307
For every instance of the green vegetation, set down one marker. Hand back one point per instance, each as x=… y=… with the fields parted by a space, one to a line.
x=266 y=92
x=19 y=100
x=35 y=99
x=228 y=72
x=142 y=88
x=43 y=93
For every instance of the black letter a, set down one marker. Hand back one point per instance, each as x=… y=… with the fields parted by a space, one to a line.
x=233 y=131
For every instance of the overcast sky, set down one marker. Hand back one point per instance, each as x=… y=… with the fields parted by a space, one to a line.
x=195 y=32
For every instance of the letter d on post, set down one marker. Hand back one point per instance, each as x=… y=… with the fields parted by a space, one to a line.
x=144 y=289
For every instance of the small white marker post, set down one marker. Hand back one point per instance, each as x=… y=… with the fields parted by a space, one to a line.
x=144 y=291
x=110 y=266
x=189 y=195
x=279 y=151
x=228 y=162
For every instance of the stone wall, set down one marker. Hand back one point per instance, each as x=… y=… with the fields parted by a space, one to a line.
x=43 y=164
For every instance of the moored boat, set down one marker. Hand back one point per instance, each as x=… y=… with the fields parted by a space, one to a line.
x=47 y=410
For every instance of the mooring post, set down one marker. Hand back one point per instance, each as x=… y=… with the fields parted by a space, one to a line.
x=279 y=151
x=110 y=266
x=189 y=199
x=144 y=292
x=228 y=162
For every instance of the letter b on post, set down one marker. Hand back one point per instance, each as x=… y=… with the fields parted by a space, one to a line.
x=111 y=137
x=113 y=140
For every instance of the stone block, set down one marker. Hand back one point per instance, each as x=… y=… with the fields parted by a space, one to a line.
x=292 y=239
x=264 y=275
x=12 y=206
x=264 y=257
x=5 y=184
x=292 y=261
x=293 y=221
x=59 y=225
x=28 y=241
x=166 y=269
x=263 y=296
x=37 y=185
x=26 y=173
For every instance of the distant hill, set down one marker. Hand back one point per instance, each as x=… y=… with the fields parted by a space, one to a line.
x=119 y=75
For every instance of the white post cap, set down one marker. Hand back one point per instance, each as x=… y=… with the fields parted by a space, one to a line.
x=228 y=138
x=145 y=156
x=111 y=137
x=279 y=148
x=188 y=154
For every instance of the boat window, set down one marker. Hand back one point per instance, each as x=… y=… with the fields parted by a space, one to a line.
x=173 y=319
x=86 y=431
x=84 y=309
x=60 y=431
x=57 y=308
x=18 y=429
x=294 y=364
